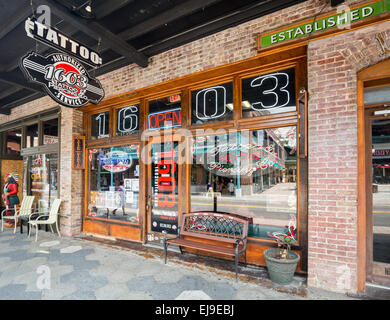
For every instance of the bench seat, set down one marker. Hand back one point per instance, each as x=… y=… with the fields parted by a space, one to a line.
x=227 y=233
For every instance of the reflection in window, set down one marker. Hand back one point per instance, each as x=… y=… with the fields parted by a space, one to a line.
x=32 y=136
x=268 y=94
x=252 y=173
x=114 y=183
x=50 y=131
x=43 y=179
x=13 y=142
x=100 y=125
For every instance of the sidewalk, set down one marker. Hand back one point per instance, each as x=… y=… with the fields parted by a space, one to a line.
x=78 y=269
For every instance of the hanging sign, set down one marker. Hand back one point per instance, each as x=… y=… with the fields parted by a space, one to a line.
x=339 y=20
x=63 y=77
x=59 y=41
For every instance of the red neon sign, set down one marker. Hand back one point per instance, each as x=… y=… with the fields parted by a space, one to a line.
x=165 y=119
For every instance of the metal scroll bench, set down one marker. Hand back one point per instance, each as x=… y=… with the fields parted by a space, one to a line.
x=220 y=233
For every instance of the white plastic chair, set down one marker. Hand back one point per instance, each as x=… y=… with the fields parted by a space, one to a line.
x=25 y=210
x=52 y=218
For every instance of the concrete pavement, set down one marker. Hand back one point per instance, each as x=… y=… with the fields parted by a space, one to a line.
x=79 y=269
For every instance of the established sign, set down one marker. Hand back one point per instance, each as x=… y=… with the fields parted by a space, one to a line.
x=64 y=78
x=59 y=41
x=335 y=20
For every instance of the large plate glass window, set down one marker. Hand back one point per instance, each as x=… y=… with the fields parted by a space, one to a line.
x=127 y=119
x=268 y=94
x=165 y=113
x=251 y=173
x=114 y=183
x=13 y=142
x=42 y=181
x=100 y=125
x=212 y=104
x=50 y=131
x=32 y=136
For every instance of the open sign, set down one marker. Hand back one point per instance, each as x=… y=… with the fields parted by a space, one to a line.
x=166 y=119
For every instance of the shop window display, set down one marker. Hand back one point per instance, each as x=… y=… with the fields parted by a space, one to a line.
x=251 y=173
x=114 y=183
x=42 y=179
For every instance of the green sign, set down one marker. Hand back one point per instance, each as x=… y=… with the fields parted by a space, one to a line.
x=338 y=20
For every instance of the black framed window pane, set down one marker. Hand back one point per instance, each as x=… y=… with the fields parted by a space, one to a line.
x=32 y=136
x=127 y=119
x=212 y=104
x=165 y=113
x=100 y=125
x=50 y=131
x=13 y=142
x=269 y=94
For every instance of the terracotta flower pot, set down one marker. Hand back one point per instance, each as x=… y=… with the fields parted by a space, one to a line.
x=281 y=271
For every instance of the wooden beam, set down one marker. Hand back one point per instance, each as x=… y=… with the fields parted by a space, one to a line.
x=98 y=31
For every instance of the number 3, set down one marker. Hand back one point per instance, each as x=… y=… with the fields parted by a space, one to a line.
x=281 y=96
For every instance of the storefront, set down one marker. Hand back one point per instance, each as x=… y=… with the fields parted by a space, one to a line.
x=282 y=119
x=221 y=140
x=31 y=148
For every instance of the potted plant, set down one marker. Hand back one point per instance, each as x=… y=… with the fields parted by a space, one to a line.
x=282 y=262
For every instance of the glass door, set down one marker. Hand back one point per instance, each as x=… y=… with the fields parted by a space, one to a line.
x=163 y=201
x=379 y=201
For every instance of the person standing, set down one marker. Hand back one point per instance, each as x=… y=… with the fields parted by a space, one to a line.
x=231 y=187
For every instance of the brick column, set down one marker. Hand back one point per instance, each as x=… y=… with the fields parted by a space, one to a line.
x=333 y=169
x=71 y=181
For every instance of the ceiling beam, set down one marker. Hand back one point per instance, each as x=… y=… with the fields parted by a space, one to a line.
x=98 y=31
x=15 y=80
x=165 y=17
x=108 y=7
x=237 y=17
x=6 y=107
x=14 y=20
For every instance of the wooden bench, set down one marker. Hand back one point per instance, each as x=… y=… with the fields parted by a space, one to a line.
x=227 y=232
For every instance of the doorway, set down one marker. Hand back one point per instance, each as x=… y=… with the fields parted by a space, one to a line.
x=163 y=200
x=378 y=195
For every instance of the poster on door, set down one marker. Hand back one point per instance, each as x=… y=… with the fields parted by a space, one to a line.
x=164 y=188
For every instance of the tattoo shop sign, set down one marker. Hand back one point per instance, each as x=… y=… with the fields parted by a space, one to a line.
x=55 y=39
x=63 y=77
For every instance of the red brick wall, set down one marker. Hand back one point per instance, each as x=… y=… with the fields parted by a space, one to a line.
x=332 y=67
